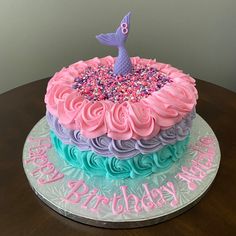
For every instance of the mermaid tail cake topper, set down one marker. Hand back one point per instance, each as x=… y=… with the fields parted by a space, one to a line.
x=117 y=39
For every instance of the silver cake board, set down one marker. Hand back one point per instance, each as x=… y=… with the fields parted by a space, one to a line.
x=127 y=203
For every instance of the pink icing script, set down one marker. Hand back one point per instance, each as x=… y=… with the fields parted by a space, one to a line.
x=143 y=119
x=125 y=202
x=45 y=170
x=200 y=164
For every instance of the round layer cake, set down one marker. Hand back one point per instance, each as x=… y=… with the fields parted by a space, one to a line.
x=120 y=126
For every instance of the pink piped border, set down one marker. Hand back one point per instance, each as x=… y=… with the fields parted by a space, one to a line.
x=120 y=121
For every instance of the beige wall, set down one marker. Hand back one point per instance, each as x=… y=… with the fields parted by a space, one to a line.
x=37 y=38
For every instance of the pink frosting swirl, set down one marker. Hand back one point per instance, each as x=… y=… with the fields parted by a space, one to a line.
x=107 y=61
x=144 y=119
x=117 y=121
x=131 y=120
x=92 y=118
x=70 y=109
x=57 y=94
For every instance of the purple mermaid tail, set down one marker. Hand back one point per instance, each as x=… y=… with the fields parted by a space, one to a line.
x=123 y=63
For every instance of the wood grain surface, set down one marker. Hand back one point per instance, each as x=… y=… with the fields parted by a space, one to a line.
x=22 y=213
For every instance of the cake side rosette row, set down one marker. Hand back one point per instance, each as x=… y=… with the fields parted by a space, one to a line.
x=122 y=149
x=126 y=120
x=140 y=165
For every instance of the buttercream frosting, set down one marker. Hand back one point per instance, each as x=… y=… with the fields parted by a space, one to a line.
x=120 y=121
x=140 y=165
x=122 y=149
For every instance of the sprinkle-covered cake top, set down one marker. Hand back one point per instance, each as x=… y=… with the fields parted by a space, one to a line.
x=121 y=120
x=96 y=84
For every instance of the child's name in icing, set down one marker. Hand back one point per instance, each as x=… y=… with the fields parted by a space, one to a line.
x=197 y=171
x=123 y=201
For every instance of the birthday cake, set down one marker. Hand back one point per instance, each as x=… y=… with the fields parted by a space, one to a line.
x=122 y=117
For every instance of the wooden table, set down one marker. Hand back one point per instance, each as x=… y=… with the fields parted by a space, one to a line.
x=22 y=213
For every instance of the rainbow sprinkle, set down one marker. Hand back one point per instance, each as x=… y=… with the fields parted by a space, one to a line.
x=101 y=84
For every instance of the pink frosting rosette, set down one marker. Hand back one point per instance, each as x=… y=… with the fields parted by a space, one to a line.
x=70 y=109
x=141 y=121
x=107 y=61
x=80 y=66
x=92 y=118
x=93 y=62
x=178 y=96
x=121 y=121
x=147 y=62
x=135 y=60
x=65 y=76
x=165 y=115
x=55 y=95
x=130 y=120
x=117 y=122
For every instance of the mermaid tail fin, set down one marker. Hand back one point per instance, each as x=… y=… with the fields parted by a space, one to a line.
x=118 y=38
x=107 y=39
